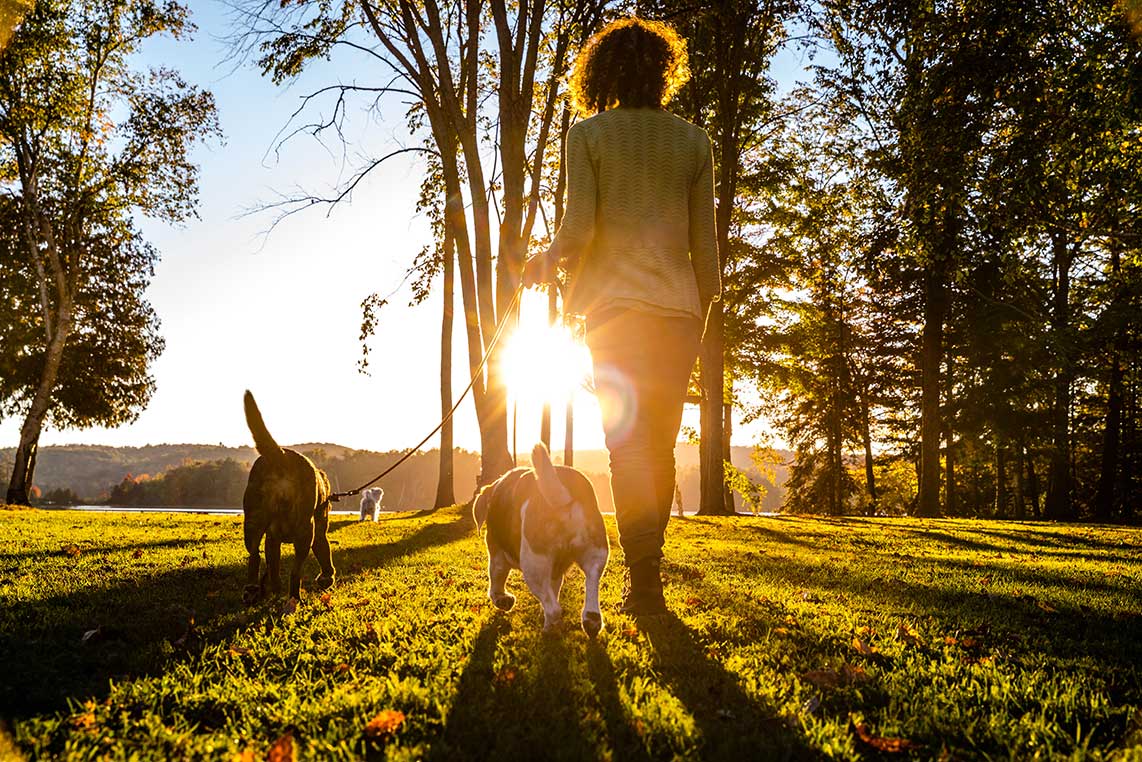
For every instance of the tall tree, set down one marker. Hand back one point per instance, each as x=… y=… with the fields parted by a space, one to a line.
x=730 y=93
x=485 y=79
x=86 y=141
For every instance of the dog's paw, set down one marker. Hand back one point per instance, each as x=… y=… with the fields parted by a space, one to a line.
x=251 y=594
x=324 y=582
x=504 y=601
x=592 y=623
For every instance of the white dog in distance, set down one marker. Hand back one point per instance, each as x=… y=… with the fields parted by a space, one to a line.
x=371 y=503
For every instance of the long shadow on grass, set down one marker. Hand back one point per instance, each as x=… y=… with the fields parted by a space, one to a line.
x=142 y=620
x=1110 y=637
x=524 y=712
x=734 y=726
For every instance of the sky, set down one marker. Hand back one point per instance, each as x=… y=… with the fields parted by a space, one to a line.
x=279 y=313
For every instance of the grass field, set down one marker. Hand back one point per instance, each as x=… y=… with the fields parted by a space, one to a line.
x=123 y=635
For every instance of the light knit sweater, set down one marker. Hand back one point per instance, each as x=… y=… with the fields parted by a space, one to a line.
x=639 y=231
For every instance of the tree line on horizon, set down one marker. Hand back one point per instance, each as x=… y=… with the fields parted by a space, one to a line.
x=930 y=248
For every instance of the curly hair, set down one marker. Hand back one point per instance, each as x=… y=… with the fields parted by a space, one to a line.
x=629 y=62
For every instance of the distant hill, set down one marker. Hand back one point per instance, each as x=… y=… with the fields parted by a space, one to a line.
x=92 y=470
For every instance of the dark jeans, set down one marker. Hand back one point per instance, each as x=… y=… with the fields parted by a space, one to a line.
x=642 y=366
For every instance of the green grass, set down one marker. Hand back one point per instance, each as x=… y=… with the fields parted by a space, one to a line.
x=980 y=640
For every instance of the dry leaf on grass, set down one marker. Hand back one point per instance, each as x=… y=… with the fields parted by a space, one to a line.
x=239 y=651
x=862 y=647
x=282 y=750
x=823 y=678
x=853 y=674
x=1047 y=607
x=384 y=724
x=828 y=678
x=72 y=550
x=905 y=633
x=891 y=745
x=138 y=553
x=341 y=668
x=327 y=600
x=87 y=719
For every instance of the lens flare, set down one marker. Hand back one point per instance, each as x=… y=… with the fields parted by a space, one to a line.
x=544 y=363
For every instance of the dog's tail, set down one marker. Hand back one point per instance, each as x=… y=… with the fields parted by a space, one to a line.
x=550 y=486
x=264 y=443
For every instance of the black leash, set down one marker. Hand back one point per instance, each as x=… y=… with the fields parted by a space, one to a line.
x=336 y=496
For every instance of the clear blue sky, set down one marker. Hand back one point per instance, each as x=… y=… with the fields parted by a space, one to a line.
x=279 y=314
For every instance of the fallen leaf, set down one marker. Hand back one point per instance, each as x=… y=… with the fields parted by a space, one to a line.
x=631 y=632
x=780 y=631
x=985 y=581
x=384 y=723
x=822 y=678
x=290 y=606
x=342 y=668
x=949 y=640
x=72 y=550
x=246 y=755
x=239 y=651
x=862 y=647
x=87 y=719
x=327 y=600
x=506 y=676
x=138 y=553
x=853 y=674
x=282 y=750
x=1047 y=607
x=969 y=643
x=905 y=633
x=694 y=601
x=891 y=745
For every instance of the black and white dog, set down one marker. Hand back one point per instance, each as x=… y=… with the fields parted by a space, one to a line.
x=541 y=520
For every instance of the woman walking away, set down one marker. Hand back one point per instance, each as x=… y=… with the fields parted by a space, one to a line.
x=639 y=247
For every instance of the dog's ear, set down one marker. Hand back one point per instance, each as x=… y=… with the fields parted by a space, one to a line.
x=482 y=505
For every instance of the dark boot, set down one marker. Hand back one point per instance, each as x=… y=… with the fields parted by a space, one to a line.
x=644 y=596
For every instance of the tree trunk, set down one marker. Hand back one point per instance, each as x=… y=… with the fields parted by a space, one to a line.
x=1105 y=498
x=1020 y=467
x=23 y=467
x=931 y=355
x=727 y=454
x=710 y=445
x=445 y=490
x=1058 y=505
x=951 y=508
x=1033 y=487
x=1000 y=507
x=866 y=440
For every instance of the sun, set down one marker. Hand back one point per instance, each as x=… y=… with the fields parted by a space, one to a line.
x=542 y=362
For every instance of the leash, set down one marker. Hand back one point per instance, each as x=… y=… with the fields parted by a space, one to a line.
x=336 y=496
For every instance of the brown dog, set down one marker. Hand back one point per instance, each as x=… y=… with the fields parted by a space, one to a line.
x=540 y=521
x=286 y=500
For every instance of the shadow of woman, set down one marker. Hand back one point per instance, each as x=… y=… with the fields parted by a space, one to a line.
x=733 y=724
